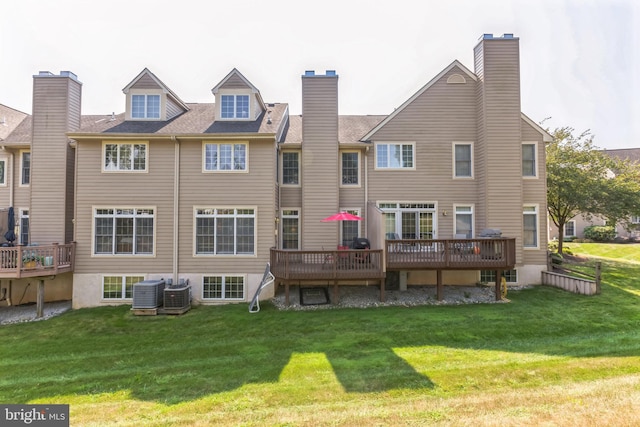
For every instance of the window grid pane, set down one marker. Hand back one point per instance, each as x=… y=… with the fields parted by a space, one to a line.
x=153 y=106
x=290 y=232
x=227 y=108
x=463 y=160
x=26 y=168
x=234 y=287
x=349 y=168
x=290 y=168
x=528 y=160
x=242 y=106
x=225 y=231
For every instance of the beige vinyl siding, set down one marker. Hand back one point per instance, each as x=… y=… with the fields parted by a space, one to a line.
x=173 y=109
x=443 y=114
x=535 y=191
x=290 y=196
x=235 y=82
x=146 y=82
x=121 y=189
x=56 y=111
x=253 y=189
x=502 y=145
x=320 y=164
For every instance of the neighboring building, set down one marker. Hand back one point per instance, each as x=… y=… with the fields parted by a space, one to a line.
x=203 y=192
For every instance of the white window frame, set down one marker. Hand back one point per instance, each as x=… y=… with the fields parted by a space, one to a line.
x=138 y=212
x=378 y=147
x=219 y=212
x=535 y=159
x=358 y=174
x=455 y=160
x=284 y=215
x=536 y=212
x=299 y=154
x=146 y=115
x=571 y=221
x=458 y=209
x=22 y=175
x=117 y=167
x=24 y=216
x=224 y=283
x=3 y=175
x=235 y=106
x=397 y=208
x=635 y=219
x=205 y=166
x=353 y=211
x=135 y=278
x=511 y=276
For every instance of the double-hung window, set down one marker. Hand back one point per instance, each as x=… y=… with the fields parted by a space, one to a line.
x=223 y=287
x=225 y=157
x=290 y=168
x=25 y=168
x=234 y=106
x=124 y=231
x=290 y=229
x=464 y=221
x=225 y=231
x=570 y=228
x=349 y=229
x=145 y=106
x=463 y=160
x=529 y=160
x=125 y=157
x=530 y=226
x=349 y=168
x=395 y=156
x=3 y=169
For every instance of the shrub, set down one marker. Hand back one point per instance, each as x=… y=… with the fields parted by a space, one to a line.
x=600 y=233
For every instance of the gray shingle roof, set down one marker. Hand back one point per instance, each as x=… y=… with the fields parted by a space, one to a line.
x=631 y=154
x=350 y=128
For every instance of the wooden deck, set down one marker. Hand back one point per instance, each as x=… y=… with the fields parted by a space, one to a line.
x=338 y=267
x=36 y=261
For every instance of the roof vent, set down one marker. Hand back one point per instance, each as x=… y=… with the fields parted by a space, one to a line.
x=309 y=73
x=487 y=36
x=507 y=36
x=331 y=73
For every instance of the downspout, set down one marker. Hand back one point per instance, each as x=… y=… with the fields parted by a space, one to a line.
x=176 y=207
x=366 y=189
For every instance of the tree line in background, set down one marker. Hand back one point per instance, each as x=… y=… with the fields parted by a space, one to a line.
x=583 y=180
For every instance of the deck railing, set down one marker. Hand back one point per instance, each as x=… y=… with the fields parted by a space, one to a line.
x=451 y=254
x=327 y=265
x=33 y=261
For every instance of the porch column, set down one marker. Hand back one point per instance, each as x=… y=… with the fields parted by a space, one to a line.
x=40 y=299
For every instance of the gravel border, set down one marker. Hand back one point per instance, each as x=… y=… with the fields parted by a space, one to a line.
x=27 y=312
x=369 y=296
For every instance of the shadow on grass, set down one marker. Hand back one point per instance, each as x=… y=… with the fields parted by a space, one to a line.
x=172 y=359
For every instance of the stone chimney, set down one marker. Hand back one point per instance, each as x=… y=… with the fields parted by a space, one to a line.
x=320 y=166
x=56 y=111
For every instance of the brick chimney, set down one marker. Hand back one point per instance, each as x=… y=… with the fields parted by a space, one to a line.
x=56 y=111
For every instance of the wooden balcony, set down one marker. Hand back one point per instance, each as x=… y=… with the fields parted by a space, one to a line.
x=36 y=261
x=451 y=254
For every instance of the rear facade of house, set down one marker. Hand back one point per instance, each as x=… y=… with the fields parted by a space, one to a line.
x=203 y=192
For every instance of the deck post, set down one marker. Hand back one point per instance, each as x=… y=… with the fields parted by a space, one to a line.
x=439 y=287
x=40 y=299
x=286 y=293
x=498 y=285
x=335 y=292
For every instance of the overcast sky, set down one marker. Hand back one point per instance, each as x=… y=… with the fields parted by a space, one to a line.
x=580 y=60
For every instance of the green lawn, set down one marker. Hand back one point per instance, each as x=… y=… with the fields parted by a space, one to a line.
x=546 y=358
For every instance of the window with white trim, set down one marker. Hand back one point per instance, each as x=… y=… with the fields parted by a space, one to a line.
x=234 y=106
x=3 y=172
x=24 y=226
x=395 y=156
x=145 y=106
x=530 y=226
x=489 y=276
x=349 y=229
x=350 y=168
x=410 y=220
x=570 y=228
x=225 y=157
x=25 y=168
x=529 y=162
x=290 y=168
x=290 y=234
x=124 y=157
x=124 y=231
x=119 y=287
x=463 y=160
x=225 y=231
x=635 y=219
x=223 y=287
x=464 y=220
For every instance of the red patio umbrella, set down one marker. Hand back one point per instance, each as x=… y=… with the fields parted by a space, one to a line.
x=342 y=216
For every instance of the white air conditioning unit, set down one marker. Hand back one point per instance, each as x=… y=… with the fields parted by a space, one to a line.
x=148 y=294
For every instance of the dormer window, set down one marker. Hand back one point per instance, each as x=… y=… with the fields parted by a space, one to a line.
x=234 y=107
x=145 y=106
